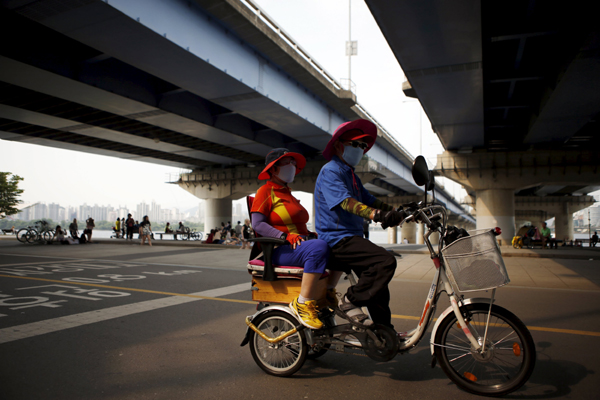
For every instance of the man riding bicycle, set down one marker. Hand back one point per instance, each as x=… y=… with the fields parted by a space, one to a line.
x=341 y=204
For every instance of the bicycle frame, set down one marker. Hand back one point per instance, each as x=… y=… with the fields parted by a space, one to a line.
x=440 y=284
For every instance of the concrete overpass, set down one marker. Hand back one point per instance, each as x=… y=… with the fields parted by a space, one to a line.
x=205 y=85
x=512 y=90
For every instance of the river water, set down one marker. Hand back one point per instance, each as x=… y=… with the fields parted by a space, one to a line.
x=378 y=236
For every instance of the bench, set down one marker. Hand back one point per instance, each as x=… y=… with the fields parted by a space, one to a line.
x=174 y=234
x=8 y=231
x=533 y=243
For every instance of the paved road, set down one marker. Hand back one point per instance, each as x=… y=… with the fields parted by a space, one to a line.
x=129 y=322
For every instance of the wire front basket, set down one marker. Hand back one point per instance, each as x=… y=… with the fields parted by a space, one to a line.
x=475 y=263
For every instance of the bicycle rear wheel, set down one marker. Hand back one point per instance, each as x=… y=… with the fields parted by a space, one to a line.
x=285 y=357
x=510 y=351
x=32 y=236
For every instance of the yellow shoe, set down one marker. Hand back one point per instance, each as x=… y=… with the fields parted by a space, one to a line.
x=307 y=313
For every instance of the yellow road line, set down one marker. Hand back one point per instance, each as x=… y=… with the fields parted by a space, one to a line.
x=407 y=317
x=531 y=328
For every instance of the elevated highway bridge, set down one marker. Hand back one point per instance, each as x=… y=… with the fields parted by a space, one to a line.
x=206 y=85
x=512 y=90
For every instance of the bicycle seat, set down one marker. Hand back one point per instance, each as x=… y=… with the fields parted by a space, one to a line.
x=257 y=268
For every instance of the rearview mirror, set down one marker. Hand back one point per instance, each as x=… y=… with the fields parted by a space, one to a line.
x=420 y=172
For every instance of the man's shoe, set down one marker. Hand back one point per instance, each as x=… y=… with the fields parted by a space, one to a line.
x=353 y=313
x=306 y=313
x=331 y=298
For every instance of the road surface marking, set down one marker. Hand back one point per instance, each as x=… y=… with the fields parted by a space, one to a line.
x=71 y=321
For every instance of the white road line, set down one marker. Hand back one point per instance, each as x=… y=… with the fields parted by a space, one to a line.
x=71 y=321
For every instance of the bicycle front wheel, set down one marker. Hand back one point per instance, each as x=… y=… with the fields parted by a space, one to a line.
x=285 y=357
x=22 y=235
x=507 y=362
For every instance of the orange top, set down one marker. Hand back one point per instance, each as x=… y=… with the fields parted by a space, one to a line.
x=283 y=211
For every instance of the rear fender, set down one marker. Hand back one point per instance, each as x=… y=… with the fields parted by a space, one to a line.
x=264 y=311
x=449 y=310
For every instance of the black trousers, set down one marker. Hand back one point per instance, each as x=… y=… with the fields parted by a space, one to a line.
x=375 y=268
x=130 y=232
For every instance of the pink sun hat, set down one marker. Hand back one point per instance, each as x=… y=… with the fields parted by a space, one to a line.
x=369 y=132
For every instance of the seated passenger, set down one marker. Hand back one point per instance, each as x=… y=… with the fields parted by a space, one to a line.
x=276 y=213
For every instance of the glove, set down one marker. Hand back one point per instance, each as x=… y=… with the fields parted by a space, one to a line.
x=293 y=238
x=389 y=218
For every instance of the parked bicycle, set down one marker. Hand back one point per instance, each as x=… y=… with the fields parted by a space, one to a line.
x=482 y=347
x=39 y=232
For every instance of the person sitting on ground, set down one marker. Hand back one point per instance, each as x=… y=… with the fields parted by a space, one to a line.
x=217 y=237
x=210 y=237
x=594 y=240
x=60 y=234
x=232 y=239
x=547 y=236
x=276 y=213
x=73 y=229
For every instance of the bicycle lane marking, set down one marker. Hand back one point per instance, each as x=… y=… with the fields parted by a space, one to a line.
x=71 y=321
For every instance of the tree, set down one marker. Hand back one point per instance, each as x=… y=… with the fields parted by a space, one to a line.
x=9 y=193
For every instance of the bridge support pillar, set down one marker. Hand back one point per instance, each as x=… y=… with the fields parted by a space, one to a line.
x=496 y=207
x=393 y=235
x=420 y=229
x=409 y=231
x=217 y=211
x=563 y=223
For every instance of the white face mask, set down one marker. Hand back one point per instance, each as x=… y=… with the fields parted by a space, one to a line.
x=353 y=155
x=287 y=173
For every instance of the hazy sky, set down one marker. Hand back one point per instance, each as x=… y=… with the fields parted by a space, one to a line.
x=321 y=28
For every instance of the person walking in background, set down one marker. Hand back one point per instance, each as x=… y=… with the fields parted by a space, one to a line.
x=89 y=227
x=238 y=230
x=129 y=223
x=594 y=239
x=123 y=228
x=118 y=227
x=246 y=229
x=145 y=230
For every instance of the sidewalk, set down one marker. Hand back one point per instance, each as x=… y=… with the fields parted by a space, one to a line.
x=572 y=268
